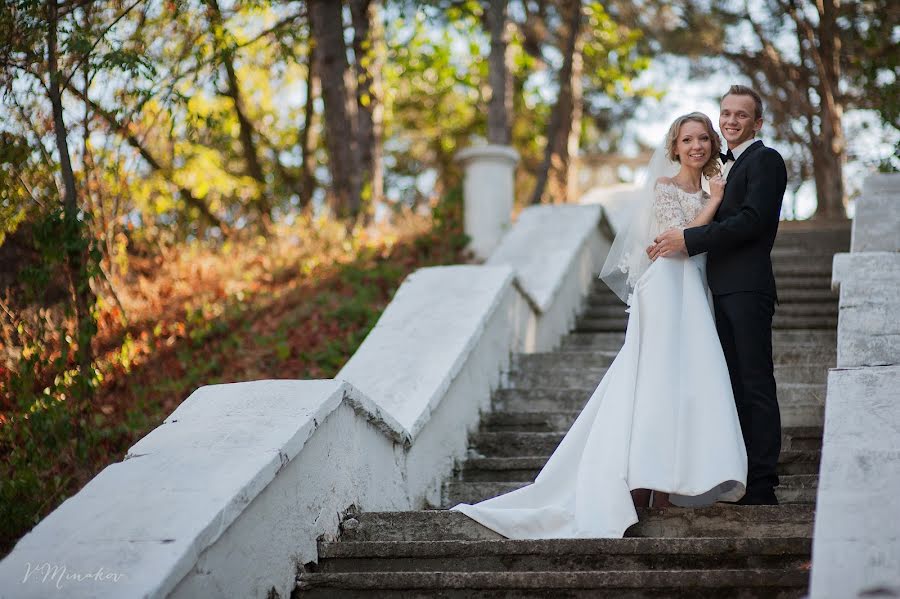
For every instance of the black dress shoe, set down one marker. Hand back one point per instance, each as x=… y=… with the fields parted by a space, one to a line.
x=759 y=498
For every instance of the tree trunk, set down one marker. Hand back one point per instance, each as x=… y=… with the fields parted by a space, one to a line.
x=830 y=150
x=500 y=106
x=343 y=151
x=308 y=160
x=556 y=152
x=249 y=150
x=76 y=256
x=568 y=172
x=828 y=174
x=368 y=47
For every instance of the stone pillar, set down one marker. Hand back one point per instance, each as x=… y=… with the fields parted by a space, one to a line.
x=488 y=189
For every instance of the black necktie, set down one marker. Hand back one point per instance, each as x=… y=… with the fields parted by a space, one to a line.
x=726 y=157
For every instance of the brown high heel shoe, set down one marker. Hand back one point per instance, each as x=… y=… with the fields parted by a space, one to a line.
x=641 y=497
x=660 y=499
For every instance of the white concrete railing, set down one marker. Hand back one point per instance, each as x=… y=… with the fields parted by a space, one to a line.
x=227 y=497
x=856 y=541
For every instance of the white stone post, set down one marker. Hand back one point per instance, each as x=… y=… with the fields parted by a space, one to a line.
x=488 y=189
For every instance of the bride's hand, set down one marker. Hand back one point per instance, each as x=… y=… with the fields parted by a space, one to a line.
x=717 y=188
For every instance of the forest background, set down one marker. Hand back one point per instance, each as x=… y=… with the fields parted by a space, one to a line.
x=204 y=191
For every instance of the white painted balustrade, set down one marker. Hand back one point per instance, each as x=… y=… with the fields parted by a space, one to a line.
x=856 y=543
x=227 y=497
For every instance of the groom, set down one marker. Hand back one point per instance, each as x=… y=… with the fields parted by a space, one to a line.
x=739 y=272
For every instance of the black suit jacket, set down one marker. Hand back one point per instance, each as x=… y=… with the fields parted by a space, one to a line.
x=740 y=237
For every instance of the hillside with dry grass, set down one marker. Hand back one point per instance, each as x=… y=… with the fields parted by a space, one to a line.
x=293 y=304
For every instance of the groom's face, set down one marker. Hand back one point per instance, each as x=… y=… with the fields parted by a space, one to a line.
x=737 y=119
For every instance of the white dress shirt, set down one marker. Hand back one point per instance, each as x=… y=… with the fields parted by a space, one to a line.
x=737 y=154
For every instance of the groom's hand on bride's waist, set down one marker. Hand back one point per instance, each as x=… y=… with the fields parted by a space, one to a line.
x=668 y=243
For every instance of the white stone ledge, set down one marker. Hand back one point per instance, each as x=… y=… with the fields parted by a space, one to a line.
x=228 y=496
x=556 y=251
x=876 y=224
x=869 y=316
x=151 y=517
x=856 y=544
x=543 y=246
x=424 y=337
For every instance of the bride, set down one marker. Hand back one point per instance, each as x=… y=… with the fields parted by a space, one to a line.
x=663 y=418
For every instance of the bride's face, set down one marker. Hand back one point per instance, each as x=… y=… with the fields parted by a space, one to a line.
x=694 y=145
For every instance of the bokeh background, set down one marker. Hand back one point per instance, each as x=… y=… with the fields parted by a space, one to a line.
x=208 y=191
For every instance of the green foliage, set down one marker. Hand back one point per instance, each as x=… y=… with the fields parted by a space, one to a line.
x=156 y=146
x=433 y=83
x=14 y=197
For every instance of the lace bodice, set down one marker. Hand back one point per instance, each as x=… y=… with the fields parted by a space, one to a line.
x=676 y=208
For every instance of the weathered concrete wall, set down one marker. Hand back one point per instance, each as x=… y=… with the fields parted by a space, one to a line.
x=347 y=461
x=876 y=225
x=556 y=251
x=869 y=316
x=227 y=497
x=222 y=495
x=435 y=374
x=856 y=544
x=425 y=337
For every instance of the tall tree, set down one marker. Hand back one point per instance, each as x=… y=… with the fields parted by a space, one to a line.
x=76 y=253
x=307 y=157
x=340 y=125
x=46 y=44
x=500 y=106
x=225 y=50
x=559 y=128
x=368 y=49
x=811 y=61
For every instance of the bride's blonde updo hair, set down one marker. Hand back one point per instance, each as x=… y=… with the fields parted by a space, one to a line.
x=711 y=168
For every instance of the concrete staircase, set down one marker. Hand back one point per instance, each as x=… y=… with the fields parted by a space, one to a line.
x=718 y=551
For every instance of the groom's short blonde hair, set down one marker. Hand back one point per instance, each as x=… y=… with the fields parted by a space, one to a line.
x=743 y=90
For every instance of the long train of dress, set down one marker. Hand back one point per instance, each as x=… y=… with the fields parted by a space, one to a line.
x=663 y=417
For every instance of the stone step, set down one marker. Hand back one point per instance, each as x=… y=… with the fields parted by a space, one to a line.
x=807 y=295
x=600 y=325
x=563 y=555
x=797 y=354
x=555 y=374
x=792 y=310
x=787 y=283
x=721 y=520
x=786 y=252
x=551 y=421
x=526 y=469
x=514 y=444
x=800 y=266
x=807 y=309
x=718 y=520
x=773 y=583
x=785 y=296
x=574 y=398
x=793 y=488
x=614 y=340
x=832 y=239
x=586 y=324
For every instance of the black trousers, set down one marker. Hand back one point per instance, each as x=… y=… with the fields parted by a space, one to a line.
x=744 y=323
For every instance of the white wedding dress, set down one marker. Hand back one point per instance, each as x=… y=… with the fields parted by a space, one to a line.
x=663 y=417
